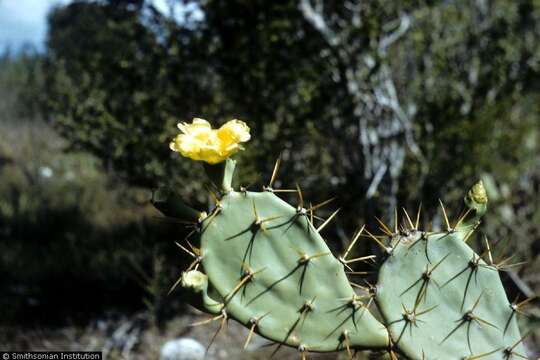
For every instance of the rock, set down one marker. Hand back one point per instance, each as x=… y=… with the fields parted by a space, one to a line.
x=182 y=349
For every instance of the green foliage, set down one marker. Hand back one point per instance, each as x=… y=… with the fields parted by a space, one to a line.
x=65 y=225
x=113 y=86
x=466 y=72
x=21 y=86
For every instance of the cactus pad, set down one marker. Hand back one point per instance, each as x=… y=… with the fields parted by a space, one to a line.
x=277 y=276
x=441 y=300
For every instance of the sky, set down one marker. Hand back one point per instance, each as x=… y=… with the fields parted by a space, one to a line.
x=25 y=21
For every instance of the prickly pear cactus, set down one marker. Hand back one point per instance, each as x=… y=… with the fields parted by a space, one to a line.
x=262 y=262
x=274 y=273
x=440 y=299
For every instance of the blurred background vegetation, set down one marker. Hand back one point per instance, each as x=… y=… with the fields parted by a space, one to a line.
x=383 y=104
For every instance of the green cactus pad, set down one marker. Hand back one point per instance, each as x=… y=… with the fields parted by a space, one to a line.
x=278 y=276
x=442 y=301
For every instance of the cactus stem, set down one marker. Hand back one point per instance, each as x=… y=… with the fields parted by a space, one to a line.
x=323 y=225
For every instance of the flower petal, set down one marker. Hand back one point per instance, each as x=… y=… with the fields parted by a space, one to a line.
x=198 y=141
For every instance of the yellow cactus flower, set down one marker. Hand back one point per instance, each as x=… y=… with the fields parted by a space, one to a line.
x=234 y=131
x=198 y=141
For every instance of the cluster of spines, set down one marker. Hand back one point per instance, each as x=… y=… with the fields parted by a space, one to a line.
x=387 y=241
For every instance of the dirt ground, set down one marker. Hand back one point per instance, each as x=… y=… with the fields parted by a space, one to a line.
x=135 y=338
